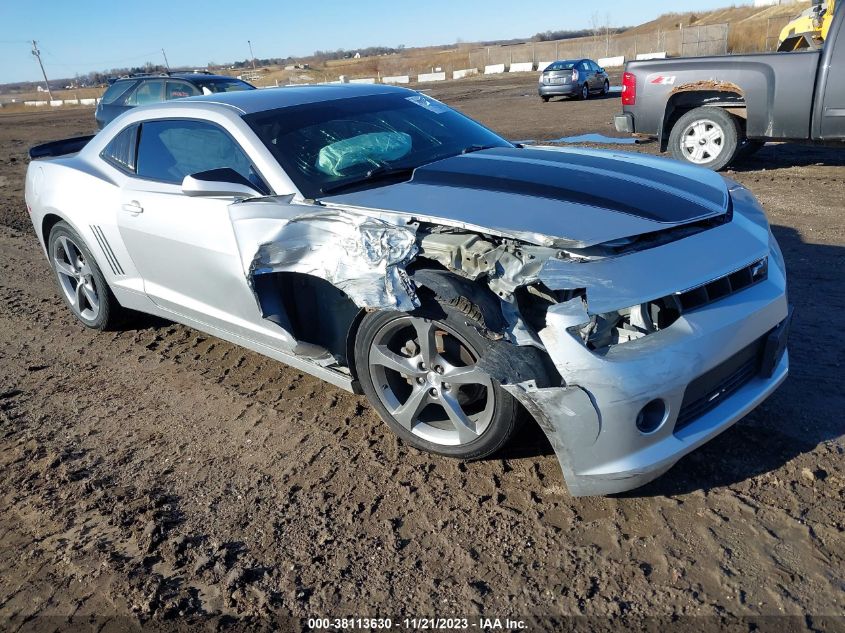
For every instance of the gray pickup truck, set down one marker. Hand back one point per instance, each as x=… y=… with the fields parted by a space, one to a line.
x=711 y=110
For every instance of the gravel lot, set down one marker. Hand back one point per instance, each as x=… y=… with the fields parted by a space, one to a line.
x=156 y=473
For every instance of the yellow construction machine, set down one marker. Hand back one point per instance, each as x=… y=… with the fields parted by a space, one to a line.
x=809 y=29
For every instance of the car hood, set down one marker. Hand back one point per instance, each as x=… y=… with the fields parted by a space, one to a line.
x=551 y=195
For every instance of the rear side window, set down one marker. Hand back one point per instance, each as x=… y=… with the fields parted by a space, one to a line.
x=116 y=91
x=210 y=86
x=121 y=150
x=147 y=92
x=584 y=66
x=180 y=89
x=169 y=150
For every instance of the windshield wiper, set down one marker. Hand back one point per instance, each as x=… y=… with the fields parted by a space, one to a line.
x=380 y=172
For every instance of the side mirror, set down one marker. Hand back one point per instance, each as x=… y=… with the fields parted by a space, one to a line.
x=219 y=183
x=601 y=70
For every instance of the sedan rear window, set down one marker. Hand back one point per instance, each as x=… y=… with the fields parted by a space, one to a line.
x=561 y=66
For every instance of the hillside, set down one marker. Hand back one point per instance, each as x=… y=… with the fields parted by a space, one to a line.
x=729 y=15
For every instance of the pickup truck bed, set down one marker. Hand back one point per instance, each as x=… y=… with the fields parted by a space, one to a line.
x=794 y=96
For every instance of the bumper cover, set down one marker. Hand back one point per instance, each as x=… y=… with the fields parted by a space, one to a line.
x=591 y=422
x=558 y=90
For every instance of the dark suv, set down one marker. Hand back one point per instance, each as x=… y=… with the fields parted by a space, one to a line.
x=128 y=92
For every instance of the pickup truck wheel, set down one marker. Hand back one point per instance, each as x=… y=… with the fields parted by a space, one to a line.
x=419 y=372
x=81 y=283
x=708 y=137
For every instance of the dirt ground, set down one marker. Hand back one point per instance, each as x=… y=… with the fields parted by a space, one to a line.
x=159 y=475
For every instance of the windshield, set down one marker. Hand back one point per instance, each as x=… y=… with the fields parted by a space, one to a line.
x=560 y=66
x=328 y=145
x=210 y=86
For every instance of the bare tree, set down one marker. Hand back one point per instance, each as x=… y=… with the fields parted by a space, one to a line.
x=600 y=28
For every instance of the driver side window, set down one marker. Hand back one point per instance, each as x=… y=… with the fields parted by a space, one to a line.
x=169 y=150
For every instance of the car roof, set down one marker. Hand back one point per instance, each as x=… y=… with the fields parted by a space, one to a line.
x=201 y=76
x=186 y=76
x=252 y=101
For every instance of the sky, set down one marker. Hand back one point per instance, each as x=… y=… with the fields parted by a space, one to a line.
x=81 y=36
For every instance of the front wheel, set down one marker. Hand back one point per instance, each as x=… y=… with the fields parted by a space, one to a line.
x=605 y=89
x=708 y=137
x=545 y=99
x=420 y=373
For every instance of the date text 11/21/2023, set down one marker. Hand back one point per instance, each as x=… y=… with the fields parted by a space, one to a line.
x=416 y=624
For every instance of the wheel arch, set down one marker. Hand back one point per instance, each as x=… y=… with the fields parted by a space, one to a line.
x=683 y=100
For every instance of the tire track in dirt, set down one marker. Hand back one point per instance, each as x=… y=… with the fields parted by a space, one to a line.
x=195 y=477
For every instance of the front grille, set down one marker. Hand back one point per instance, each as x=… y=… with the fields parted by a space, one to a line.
x=713 y=387
x=668 y=309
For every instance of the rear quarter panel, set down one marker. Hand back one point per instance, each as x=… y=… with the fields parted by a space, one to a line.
x=84 y=196
x=777 y=89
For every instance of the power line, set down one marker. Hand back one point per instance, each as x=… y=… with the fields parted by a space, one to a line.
x=37 y=54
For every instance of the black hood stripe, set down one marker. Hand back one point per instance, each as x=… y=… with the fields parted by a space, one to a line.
x=596 y=181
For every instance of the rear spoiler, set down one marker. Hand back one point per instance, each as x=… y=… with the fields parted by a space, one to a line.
x=59 y=148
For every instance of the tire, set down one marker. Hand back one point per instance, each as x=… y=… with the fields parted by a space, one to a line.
x=420 y=404
x=707 y=137
x=585 y=92
x=545 y=99
x=605 y=88
x=80 y=282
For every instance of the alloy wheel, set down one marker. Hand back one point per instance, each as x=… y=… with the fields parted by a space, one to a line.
x=76 y=278
x=426 y=376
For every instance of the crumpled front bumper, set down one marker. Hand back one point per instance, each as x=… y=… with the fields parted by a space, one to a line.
x=591 y=422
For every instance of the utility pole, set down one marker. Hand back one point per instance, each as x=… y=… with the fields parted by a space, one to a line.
x=37 y=54
x=167 y=65
x=251 y=55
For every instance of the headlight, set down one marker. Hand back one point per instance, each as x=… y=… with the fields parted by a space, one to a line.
x=615 y=328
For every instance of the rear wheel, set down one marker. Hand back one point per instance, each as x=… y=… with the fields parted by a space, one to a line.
x=545 y=99
x=81 y=283
x=420 y=373
x=708 y=137
x=585 y=92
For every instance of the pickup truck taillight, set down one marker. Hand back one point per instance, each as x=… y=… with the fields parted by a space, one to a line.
x=629 y=89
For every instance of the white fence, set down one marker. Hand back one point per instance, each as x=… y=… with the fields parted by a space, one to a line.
x=611 y=62
x=431 y=77
x=466 y=72
x=494 y=69
x=660 y=55
x=521 y=67
x=396 y=79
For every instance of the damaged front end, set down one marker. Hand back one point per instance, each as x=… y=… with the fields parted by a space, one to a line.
x=599 y=342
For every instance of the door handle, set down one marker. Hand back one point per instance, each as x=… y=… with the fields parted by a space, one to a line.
x=133 y=207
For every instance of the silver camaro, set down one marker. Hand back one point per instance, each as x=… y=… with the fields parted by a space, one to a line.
x=635 y=307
